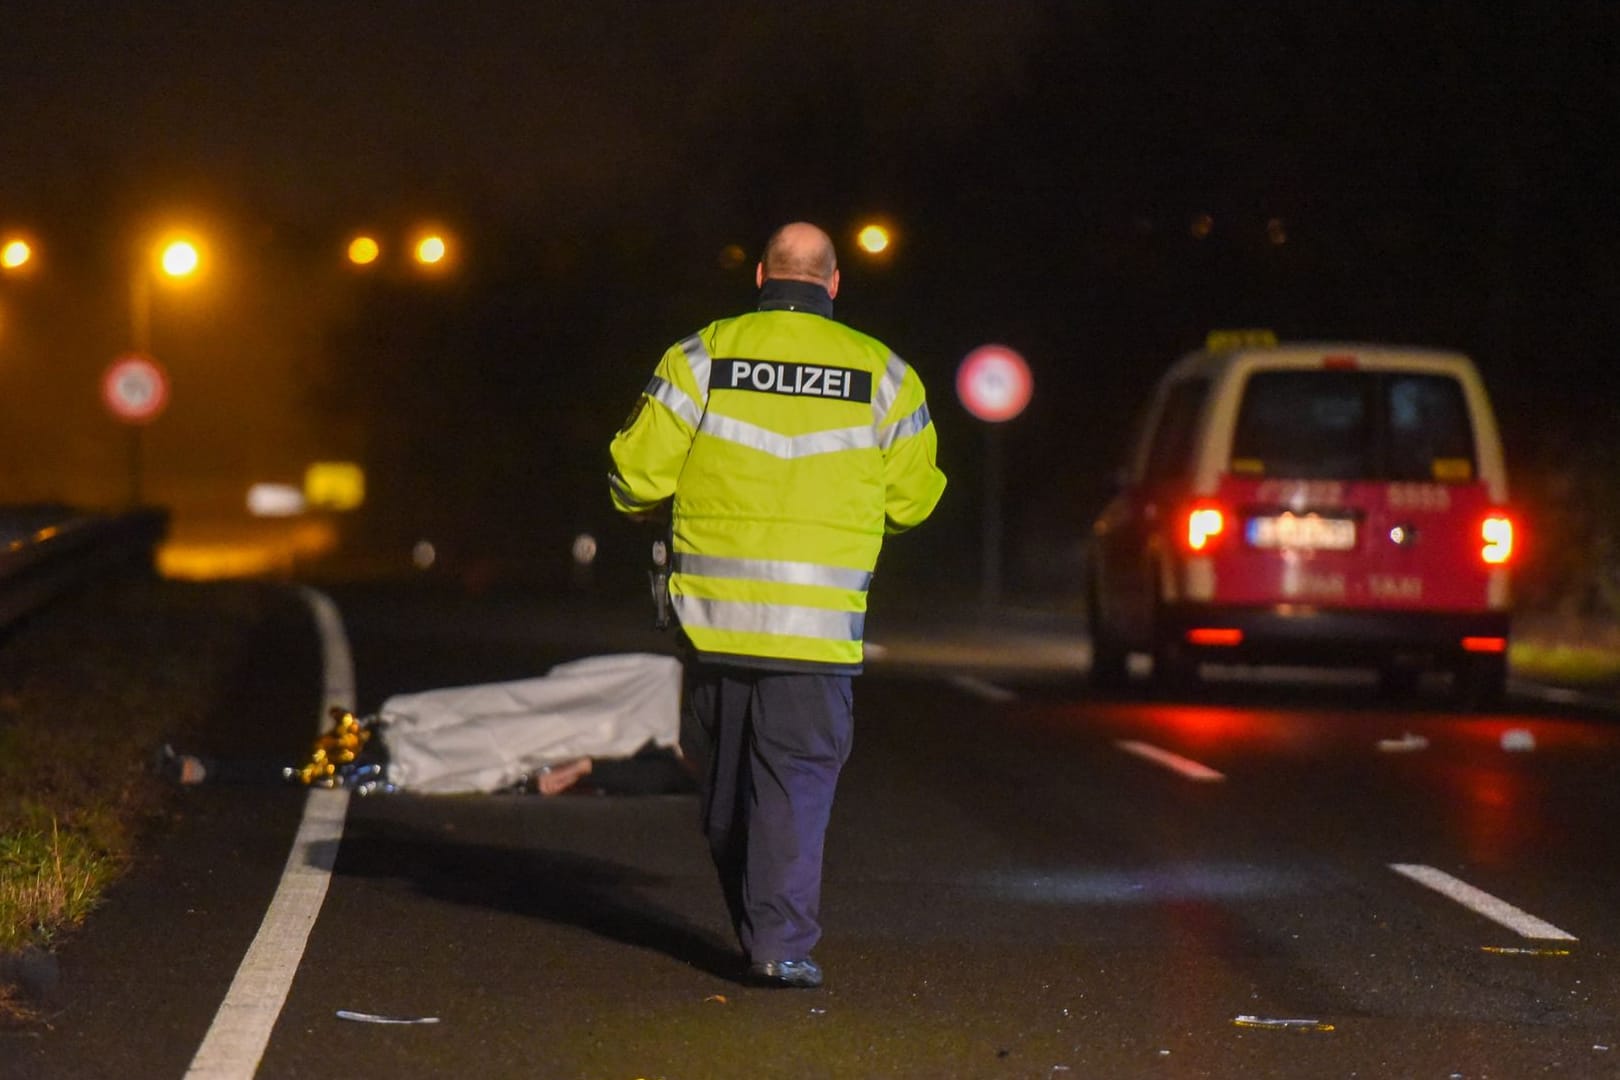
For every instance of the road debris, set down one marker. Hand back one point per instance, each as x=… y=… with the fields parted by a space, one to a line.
x=1518 y=740
x=1281 y=1025
x=1520 y=950
x=373 y=1018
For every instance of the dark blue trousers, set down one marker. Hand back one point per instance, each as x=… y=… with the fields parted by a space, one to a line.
x=769 y=747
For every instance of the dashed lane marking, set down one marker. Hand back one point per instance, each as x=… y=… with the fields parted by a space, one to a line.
x=1186 y=767
x=241 y=1029
x=1482 y=903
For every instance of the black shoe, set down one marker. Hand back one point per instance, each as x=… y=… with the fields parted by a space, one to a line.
x=799 y=974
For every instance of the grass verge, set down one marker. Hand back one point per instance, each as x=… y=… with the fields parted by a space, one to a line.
x=1566 y=651
x=89 y=689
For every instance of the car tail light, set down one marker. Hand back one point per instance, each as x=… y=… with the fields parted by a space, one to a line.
x=1484 y=644
x=1227 y=636
x=1205 y=523
x=1496 y=533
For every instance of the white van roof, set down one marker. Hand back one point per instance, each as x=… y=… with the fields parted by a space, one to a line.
x=1227 y=369
x=1315 y=354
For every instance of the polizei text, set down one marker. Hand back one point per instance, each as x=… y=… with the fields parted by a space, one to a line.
x=799 y=380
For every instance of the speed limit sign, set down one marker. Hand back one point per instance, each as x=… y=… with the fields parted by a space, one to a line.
x=135 y=389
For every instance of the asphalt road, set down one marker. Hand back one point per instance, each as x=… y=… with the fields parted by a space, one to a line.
x=1022 y=881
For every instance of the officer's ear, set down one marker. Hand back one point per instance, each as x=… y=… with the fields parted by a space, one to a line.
x=832 y=286
x=759 y=275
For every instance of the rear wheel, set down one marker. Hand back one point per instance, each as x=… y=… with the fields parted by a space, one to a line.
x=1398 y=681
x=1109 y=658
x=1480 y=682
x=1174 y=669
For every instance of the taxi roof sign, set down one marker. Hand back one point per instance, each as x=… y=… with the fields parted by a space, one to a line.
x=1232 y=340
x=335 y=485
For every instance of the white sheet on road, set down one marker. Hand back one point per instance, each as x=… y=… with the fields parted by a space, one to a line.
x=488 y=737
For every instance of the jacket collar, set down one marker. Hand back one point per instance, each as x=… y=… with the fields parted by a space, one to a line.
x=783 y=294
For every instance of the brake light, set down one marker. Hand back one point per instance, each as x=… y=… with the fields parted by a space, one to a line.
x=1215 y=635
x=1497 y=533
x=1204 y=524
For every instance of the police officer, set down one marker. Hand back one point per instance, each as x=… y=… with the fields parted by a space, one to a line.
x=790 y=445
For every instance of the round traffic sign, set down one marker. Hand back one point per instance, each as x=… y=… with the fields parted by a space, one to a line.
x=135 y=389
x=994 y=383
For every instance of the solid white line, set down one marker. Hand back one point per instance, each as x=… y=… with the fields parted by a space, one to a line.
x=1187 y=767
x=1482 y=903
x=979 y=688
x=241 y=1029
x=338 y=662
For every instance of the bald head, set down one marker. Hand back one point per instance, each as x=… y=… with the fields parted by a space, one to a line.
x=800 y=252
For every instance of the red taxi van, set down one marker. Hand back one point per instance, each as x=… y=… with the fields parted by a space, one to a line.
x=1338 y=504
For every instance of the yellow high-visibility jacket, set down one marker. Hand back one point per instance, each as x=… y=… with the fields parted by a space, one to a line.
x=791 y=444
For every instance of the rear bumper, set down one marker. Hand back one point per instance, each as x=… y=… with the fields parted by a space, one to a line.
x=1330 y=636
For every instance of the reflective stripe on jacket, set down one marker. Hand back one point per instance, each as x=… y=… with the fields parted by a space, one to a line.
x=791 y=444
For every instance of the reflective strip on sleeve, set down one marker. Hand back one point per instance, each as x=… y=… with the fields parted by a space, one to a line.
x=628 y=498
x=883 y=398
x=775 y=571
x=787 y=446
x=675 y=400
x=906 y=425
x=735 y=616
x=697 y=359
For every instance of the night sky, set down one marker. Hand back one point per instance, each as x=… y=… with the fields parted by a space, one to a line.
x=1437 y=173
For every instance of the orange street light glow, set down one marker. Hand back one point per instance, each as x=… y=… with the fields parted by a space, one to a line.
x=430 y=250
x=180 y=258
x=873 y=239
x=15 y=254
x=363 y=251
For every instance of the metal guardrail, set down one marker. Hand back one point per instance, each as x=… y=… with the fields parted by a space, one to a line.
x=48 y=550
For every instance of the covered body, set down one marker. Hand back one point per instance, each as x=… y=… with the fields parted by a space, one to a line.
x=488 y=737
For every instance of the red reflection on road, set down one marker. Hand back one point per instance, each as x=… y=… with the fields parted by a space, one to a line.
x=1199 y=726
x=1498 y=808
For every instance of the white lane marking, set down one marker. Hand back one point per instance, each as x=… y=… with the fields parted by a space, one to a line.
x=979 y=688
x=236 y=1039
x=1187 y=767
x=1482 y=903
x=337 y=661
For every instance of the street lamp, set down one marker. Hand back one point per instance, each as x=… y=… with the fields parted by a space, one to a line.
x=15 y=254
x=874 y=238
x=364 y=250
x=135 y=386
x=431 y=250
x=180 y=258
x=176 y=258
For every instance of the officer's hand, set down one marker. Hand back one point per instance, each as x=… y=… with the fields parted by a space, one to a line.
x=658 y=515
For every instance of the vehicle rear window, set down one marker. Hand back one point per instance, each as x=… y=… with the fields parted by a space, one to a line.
x=1346 y=425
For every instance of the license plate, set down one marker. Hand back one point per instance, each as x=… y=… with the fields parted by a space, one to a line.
x=1307 y=532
